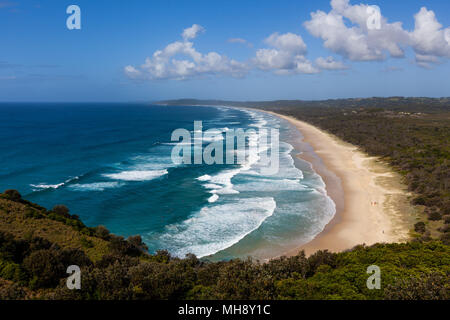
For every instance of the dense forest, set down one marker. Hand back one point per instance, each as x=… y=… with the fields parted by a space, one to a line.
x=37 y=245
x=411 y=134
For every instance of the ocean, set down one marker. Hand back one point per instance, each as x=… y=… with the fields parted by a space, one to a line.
x=111 y=165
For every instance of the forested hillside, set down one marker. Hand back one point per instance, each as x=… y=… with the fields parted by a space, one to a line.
x=37 y=246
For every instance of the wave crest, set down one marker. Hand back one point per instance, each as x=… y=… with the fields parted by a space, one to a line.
x=137 y=175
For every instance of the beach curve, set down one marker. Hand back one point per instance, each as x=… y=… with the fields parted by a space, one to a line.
x=372 y=204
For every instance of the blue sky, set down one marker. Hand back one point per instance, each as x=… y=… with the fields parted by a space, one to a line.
x=274 y=54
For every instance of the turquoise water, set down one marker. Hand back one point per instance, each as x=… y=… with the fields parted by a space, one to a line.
x=111 y=165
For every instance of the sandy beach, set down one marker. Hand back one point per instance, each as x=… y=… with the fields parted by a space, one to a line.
x=372 y=204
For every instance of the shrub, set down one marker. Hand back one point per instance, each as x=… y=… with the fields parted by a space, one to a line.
x=445 y=238
x=30 y=213
x=426 y=236
x=433 y=286
x=420 y=200
x=11 y=249
x=11 y=291
x=446 y=219
x=61 y=210
x=137 y=242
x=420 y=227
x=74 y=257
x=38 y=243
x=86 y=243
x=102 y=232
x=162 y=256
x=13 y=195
x=433 y=214
x=119 y=245
x=44 y=267
x=320 y=258
x=11 y=271
x=285 y=267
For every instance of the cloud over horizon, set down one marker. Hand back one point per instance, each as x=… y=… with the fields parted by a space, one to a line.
x=345 y=31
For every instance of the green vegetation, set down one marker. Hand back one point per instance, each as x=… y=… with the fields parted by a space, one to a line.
x=33 y=265
x=26 y=221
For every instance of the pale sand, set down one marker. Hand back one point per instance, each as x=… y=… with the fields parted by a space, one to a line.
x=355 y=182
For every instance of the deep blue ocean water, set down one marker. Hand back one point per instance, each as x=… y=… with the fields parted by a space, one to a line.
x=111 y=165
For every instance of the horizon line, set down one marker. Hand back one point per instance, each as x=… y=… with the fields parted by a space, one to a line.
x=232 y=100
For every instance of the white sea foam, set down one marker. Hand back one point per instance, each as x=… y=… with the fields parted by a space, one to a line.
x=43 y=186
x=151 y=162
x=222 y=182
x=232 y=213
x=213 y=198
x=205 y=177
x=212 y=186
x=47 y=186
x=137 y=175
x=177 y=143
x=96 y=186
x=276 y=185
x=217 y=227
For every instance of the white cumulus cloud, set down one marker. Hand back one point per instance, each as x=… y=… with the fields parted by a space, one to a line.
x=180 y=60
x=345 y=31
x=288 y=42
x=192 y=32
x=287 y=55
x=357 y=42
x=429 y=40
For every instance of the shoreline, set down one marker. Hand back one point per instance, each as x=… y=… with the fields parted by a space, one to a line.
x=372 y=204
